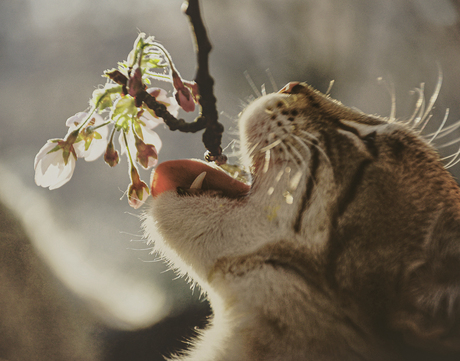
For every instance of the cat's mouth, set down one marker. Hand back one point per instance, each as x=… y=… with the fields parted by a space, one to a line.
x=194 y=177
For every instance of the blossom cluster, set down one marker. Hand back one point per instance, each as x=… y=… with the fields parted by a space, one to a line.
x=115 y=110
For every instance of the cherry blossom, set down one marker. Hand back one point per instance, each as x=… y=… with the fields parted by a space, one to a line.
x=51 y=169
x=92 y=140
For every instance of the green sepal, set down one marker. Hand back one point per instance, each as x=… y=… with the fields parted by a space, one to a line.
x=55 y=149
x=138 y=129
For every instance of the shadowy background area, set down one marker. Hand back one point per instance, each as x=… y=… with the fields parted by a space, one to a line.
x=75 y=274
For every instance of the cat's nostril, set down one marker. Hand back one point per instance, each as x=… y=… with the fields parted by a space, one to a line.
x=288 y=87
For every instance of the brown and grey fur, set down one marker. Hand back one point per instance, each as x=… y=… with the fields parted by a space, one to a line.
x=346 y=248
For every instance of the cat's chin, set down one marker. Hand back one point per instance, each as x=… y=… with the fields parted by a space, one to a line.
x=186 y=177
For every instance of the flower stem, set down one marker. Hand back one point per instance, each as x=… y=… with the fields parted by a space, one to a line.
x=127 y=149
x=103 y=125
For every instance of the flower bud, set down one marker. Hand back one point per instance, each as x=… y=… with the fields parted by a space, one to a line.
x=138 y=191
x=111 y=156
x=135 y=83
x=182 y=94
x=147 y=155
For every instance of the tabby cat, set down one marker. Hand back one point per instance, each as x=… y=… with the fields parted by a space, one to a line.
x=345 y=246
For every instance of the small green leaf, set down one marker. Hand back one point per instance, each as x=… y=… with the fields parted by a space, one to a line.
x=123 y=112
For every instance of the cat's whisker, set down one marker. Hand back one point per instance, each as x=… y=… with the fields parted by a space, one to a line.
x=251 y=151
x=271 y=145
x=435 y=94
x=453 y=164
x=454 y=160
x=245 y=103
x=393 y=104
x=294 y=182
x=448 y=156
x=233 y=145
x=446 y=131
x=418 y=105
x=448 y=144
x=300 y=157
x=328 y=91
x=303 y=144
x=279 y=175
x=427 y=120
x=440 y=127
x=308 y=135
x=285 y=102
x=262 y=89
x=303 y=141
x=291 y=157
x=425 y=115
x=252 y=84
x=272 y=80
x=228 y=116
x=267 y=160
x=421 y=110
x=391 y=90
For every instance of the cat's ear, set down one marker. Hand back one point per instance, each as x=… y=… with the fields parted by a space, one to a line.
x=429 y=312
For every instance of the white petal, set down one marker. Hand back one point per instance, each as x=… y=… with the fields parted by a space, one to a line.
x=42 y=152
x=95 y=150
x=66 y=173
x=50 y=170
x=151 y=137
x=74 y=121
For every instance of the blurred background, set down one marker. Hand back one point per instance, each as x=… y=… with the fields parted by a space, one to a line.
x=77 y=281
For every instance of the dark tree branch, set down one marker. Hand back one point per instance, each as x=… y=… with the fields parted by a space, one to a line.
x=212 y=136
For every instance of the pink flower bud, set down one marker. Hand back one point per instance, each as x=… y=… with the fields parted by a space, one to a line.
x=147 y=155
x=185 y=100
x=138 y=191
x=193 y=86
x=182 y=94
x=111 y=156
x=135 y=83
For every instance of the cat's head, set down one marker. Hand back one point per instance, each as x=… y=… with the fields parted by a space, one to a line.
x=379 y=188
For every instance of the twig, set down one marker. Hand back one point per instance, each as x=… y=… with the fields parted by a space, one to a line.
x=160 y=110
x=212 y=136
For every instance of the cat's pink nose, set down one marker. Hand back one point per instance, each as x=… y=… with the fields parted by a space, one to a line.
x=288 y=87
